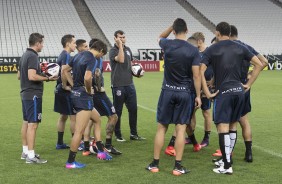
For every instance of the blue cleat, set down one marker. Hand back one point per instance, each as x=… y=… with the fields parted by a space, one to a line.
x=103 y=155
x=74 y=165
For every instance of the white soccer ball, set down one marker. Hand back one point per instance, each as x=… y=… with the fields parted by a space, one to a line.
x=52 y=70
x=137 y=70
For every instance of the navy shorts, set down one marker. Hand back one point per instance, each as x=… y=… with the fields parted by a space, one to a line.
x=63 y=102
x=32 y=110
x=103 y=104
x=227 y=108
x=174 y=107
x=206 y=103
x=81 y=100
x=247 y=106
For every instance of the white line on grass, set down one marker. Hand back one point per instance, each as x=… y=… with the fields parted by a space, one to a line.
x=255 y=146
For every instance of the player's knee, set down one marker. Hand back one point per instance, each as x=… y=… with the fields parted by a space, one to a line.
x=206 y=114
x=63 y=118
x=33 y=126
x=113 y=118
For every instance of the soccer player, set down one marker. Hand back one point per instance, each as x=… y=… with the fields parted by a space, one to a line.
x=206 y=103
x=81 y=45
x=31 y=80
x=191 y=139
x=123 y=88
x=182 y=62
x=63 y=104
x=244 y=120
x=83 y=66
x=226 y=58
x=105 y=108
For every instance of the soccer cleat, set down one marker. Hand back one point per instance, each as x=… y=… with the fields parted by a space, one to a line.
x=153 y=168
x=62 y=146
x=136 y=138
x=86 y=153
x=74 y=165
x=170 y=151
x=102 y=155
x=221 y=170
x=188 y=140
x=35 y=160
x=217 y=153
x=248 y=156
x=177 y=171
x=219 y=163
x=197 y=147
x=24 y=156
x=113 y=150
x=120 y=139
x=205 y=143
x=81 y=146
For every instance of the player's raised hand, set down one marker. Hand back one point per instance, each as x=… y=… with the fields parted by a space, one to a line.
x=118 y=41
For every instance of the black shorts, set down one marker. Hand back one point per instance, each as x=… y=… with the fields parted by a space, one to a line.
x=81 y=100
x=103 y=104
x=32 y=110
x=174 y=107
x=63 y=102
x=206 y=103
x=247 y=106
x=227 y=108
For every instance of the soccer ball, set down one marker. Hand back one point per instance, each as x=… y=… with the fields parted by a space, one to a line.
x=52 y=70
x=137 y=70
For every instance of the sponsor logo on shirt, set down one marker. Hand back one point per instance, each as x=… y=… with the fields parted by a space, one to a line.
x=175 y=87
x=232 y=90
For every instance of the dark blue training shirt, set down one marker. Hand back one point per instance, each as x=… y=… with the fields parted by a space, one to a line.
x=82 y=62
x=180 y=56
x=226 y=58
x=246 y=65
x=63 y=59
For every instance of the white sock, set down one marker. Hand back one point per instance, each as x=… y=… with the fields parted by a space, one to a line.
x=233 y=138
x=25 y=149
x=227 y=146
x=31 y=154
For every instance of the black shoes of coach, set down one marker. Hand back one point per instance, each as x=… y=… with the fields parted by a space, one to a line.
x=136 y=138
x=248 y=156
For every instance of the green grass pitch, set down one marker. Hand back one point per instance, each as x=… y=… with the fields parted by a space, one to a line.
x=130 y=166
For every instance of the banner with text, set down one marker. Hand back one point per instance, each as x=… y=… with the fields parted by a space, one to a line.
x=10 y=64
x=150 y=59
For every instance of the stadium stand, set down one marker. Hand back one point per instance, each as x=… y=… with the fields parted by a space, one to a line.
x=257 y=21
x=52 y=18
x=142 y=20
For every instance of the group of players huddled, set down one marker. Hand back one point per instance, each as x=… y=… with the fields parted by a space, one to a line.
x=194 y=75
